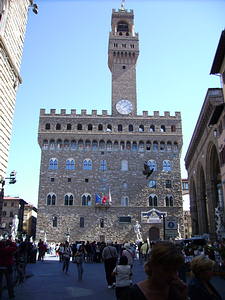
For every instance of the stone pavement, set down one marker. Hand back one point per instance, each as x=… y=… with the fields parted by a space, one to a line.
x=47 y=281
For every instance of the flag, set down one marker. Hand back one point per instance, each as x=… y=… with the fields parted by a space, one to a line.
x=104 y=199
x=98 y=199
x=110 y=197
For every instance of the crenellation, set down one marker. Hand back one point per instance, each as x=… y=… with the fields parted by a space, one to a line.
x=156 y=113
x=52 y=111
x=42 y=111
x=63 y=111
x=83 y=112
x=104 y=112
x=94 y=112
x=166 y=113
x=145 y=113
x=73 y=112
x=177 y=114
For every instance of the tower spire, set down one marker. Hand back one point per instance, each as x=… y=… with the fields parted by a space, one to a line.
x=122 y=4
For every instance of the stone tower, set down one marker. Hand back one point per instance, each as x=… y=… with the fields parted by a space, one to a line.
x=92 y=185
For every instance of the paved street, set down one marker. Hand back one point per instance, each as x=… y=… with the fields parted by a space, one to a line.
x=49 y=282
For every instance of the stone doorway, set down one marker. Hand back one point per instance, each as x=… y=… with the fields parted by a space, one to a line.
x=154 y=234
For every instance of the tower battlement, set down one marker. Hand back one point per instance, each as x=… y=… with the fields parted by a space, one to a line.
x=104 y=113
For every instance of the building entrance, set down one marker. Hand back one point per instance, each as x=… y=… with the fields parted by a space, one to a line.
x=154 y=234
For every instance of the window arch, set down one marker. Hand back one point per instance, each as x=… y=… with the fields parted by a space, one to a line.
x=167 y=166
x=58 y=126
x=53 y=164
x=122 y=145
x=169 y=146
x=102 y=145
x=87 y=164
x=51 y=199
x=109 y=128
x=73 y=145
x=130 y=128
x=66 y=144
x=148 y=145
x=153 y=200
x=124 y=201
x=173 y=128
x=116 y=146
x=109 y=146
x=68 y=199
x=141 y=146
x=79 y=127
x=59 y=144
x=120 y=127
x=81 y=145
x=152 y=128
x=141 y=128
x=94 y=145
x=175 y=146
x=163 y=128
x=86 y=199
x=152 y=164
x=128 y=145
x=124 y=165
x=169 y=200
x=45 y=145
x=68 y=127
x=87 y=145
x=134 y=146
x=162 y=146
x=47 y=126
x=122 y=27
x=100 y=127
x=70 y=164
x=52 y=144
x=155 y=146
x=90 y=127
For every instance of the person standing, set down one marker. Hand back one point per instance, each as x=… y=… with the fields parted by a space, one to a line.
x=129 y=254
x=109 y=256
x=66 y=257
x=79 y=259
x=7 y=251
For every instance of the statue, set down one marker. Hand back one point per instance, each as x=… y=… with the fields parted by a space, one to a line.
x=14 y=227
x=137 y=230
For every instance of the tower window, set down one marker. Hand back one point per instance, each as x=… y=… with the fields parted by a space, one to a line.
x=79 y=126
x=68 y=126
x=124 y=45
x=124 y=67
x=58 y=126
x=47 y=126
x=122 y=26
x=120 y=127
x=81 y=222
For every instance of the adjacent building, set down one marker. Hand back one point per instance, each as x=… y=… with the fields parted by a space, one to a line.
x=205 y=158
x=13 y=21
x=92 y=185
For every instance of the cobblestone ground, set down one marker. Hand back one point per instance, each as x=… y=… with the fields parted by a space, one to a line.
x=47 y=281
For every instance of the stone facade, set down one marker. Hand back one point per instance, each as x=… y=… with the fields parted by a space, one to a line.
x=87 y=154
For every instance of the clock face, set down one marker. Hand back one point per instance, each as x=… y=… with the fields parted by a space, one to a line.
x=124 y=107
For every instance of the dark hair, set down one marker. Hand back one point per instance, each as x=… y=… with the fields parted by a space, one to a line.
x=123 y=260
x=164 y=254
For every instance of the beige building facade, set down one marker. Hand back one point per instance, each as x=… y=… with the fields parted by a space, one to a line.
x=92 y=185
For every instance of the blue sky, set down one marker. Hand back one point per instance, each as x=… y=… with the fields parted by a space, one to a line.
x=65 y=66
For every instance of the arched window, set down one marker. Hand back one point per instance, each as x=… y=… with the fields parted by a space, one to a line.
x=155 y=146
x=152 y=164
x=124 y=201
x=124 y=165
x=162 y=146
x=94 y=145
x=47 y=126
x=169 y=146
x=169 y=200
x=103 y=165
x=163 y=128
x=87 y=164
x=58 y=126
x=128 y=145
x=109 y=128
x=141 y=146
x=109 y=146
x=79 y=126
x=54 y=221
x=68 y=199
x=53 y=164
x=173 y=128
x=59 y=144
x=130 y=128
x=87 y=145
x=100 y=127
x=102 y=145
x=122 y=145
x=68 y=127
x=122 y=27
x=141 y=128
x=134 y=146
x=73 y=145
x=116 y=146
x=152 y=128
x=51 y=199
x=148 y=146
x=81 y=145
x=52 y=144
x=45 y=145
x=153 y=200
x=86 y=200
x=70 y=164
x=90 y=127
x=166 y=166
x=120 y=127
x=175 y=147
x=66 y=144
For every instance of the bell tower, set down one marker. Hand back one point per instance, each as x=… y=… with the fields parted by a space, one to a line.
x=123 y=51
